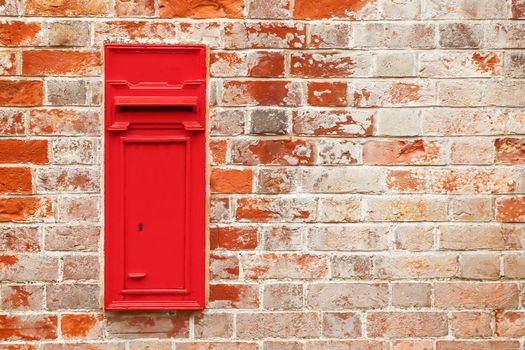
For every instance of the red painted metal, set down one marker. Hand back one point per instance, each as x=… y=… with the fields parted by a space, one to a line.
x=155 y=177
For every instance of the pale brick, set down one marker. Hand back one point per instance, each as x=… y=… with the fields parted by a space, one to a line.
x=471 y=209
x=352 y=267
x=411 y=294
x=407 y=324
x=479 y=266
x=419 y=266
x=339 y=209
x=505 y=93
x=460 y=93
x=331 y=122
x=68 y=33
x=399 y=93
x=445 y=121
x=341 y=325
x=148 y=324
x=81 y=267
x=330 y=35
x=398 y=122
x=398 y=64
x=480 y=236
x=278 y=325
x=208 y=325
x=283 y=296
x=28 y=268
x=471 y=151
x=341 y=180
x=21 y=297
x=453 y=64
x=472 y=324
x=470 y=295
x=71 y=238
x=340 y=296
x=282 y=238
x=514 y=265
x=338 y=152
x=394 y=35
x=460 y=35
x=414 y=237
x=72 y=296
x=73 y=151
x=71 y=209
x=406 y=209
x=474 y=180
x=359 y=237
x=465 y=9
x=277 y=266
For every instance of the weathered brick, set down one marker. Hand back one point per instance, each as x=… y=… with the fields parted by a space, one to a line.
x=227 y=121
x=78 y=209
x=269 y=122
x=514 y=265
x=339 y=209
x=81 y=267
x=510 y=209
x=85 y=326
x=73 y=151
x=21 y=33
x=515 y=64
x=265 y=64
x=134 y=32
x=408 y=294
x=66 y=92
x=274 y=152
x=278 y=9
x=64 y=122
x=472 y=324
x=474 y=181
x=28 y=327
x=453 y=64
x=354 y=267
x=406 y=9
x=338 y=152
x=479 y=266
x=260 y=35
x=339 y=296
x=218 y=346
x=315 y=122
x=341 y=325
x=407 y=324
x=360 y=237
x=406 y=181
x=12 y=122
x=135 y=8
x=480 y=236
x=470 y=295
x=22 y=297
x=278 y=325
x=71 y=180
x=275 y=266
x=477 y=345
x=471 y=151
x=398 y=64
x=275 y=209
x=261 y=93
x=282 y=238
x=510 y=324
x=330 y=35
x=416 y=266
x=72 y=296
x=445 y=121
x=394 y=35
x=417 y=152
x=346 y=344
x=465 y=9
x=276 y=180
x=460 y=35
x=460 y=93
x=239 y=296
x=412 y=345
x=233 y=238
x=68 y=33
x=471 y=209
x=510 y=151
x=19 y=239
x=406 y=209
x=214 y=325
x=341 y=180
x=224 y=267
x=72 y=238
x=148 y=324
x=329 y=64
x=283 y=296
x=417 y=237
x=324 y=94
x=8 y=64
x=24 y=268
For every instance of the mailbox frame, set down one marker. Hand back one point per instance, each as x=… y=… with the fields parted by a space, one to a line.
x=195 y=292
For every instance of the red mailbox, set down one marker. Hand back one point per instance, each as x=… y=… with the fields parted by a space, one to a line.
x=155 y=177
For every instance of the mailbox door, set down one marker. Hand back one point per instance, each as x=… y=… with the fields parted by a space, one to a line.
x=155 y=191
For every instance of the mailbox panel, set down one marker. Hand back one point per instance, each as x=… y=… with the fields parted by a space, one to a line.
x=155 y=177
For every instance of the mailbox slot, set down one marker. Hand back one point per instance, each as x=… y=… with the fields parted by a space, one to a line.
x=155 y=177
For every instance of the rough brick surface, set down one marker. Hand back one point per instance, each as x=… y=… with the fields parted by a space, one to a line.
x=367 y=180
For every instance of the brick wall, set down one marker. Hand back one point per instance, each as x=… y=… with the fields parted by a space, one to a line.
x=367 y=174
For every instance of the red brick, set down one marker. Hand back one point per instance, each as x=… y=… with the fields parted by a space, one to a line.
x=19 y=239
x=327 y=94
x=148 y=324
x=472 y=324
x=231 y=181
x=261 y=93
x=518 y=9
x=260 y=35
x=25 y=209
x=510 y=324
x=407 y=324
x=15 y=180
x=227 y=64
x=476 y=295
x=238 y=296
x=30 y=327
x=510 y=151
x=202 y=8
x=265 y=64
x=278 y=325
x=217 y=346
x=56 y=62
x=87 y=326
x=412 y=345
x=218 y=151
x=321 y=9
x=274 y=152
x=402 y=152
x=275 y=266
x=510 y=209
x=84 y=346
x=22 y=297
x=18 y=33
x=233 y=238
x=346 y=345
x=134 y=8
x=275 y=209
x=21 y=92
x=66 y=8
x=20 y=151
